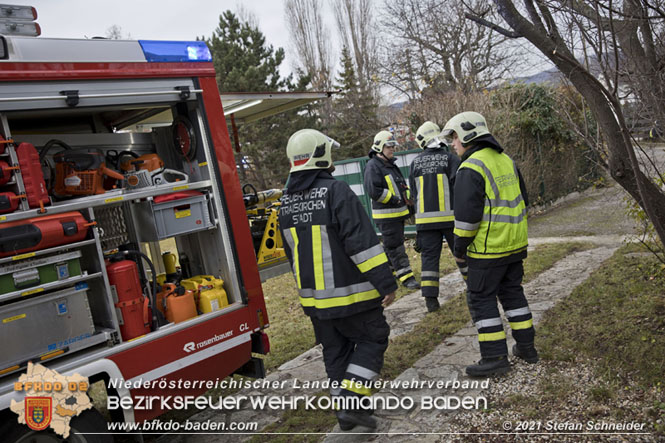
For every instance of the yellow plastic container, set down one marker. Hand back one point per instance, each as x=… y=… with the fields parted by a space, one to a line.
x=169 y=262
x=211 y=294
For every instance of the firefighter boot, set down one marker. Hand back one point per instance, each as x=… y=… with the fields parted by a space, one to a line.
x=352 y=418
x=411 y=283
x=527 y=353
x=345 y=425
x=489 y=366
x=432 y=304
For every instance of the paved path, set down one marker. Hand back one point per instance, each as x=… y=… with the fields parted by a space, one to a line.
x=402 y=316
x=446 y=361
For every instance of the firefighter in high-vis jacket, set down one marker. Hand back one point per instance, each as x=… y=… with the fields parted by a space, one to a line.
x=491 y=233
x=431 y=179
x=340 y=268
x=391 y=204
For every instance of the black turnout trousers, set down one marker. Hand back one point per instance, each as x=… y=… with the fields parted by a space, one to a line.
x=505 y=283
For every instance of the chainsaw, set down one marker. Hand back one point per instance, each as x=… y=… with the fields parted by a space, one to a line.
x=82 y=172
x=148 y=170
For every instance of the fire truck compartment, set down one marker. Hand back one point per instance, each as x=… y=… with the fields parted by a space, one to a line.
x=114 y=118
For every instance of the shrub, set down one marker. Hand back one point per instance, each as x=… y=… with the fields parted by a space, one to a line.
x=533 y=124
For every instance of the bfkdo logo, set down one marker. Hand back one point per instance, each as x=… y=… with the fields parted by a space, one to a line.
x=50 y=400
x=38 y=412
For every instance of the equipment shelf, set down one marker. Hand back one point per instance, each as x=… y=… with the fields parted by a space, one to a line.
x=54 y=249
x=48 y=286
x=108 y=198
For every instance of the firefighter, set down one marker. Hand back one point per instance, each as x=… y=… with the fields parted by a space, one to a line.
x=340 y=268
x=491 y=233
x=391 y=204
x=431 y=179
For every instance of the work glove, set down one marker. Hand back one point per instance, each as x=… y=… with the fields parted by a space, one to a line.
x=395 y=200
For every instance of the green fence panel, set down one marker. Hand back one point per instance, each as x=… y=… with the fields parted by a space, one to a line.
x=352 y=171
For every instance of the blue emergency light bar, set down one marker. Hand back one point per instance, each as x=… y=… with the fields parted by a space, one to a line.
x=166 y=51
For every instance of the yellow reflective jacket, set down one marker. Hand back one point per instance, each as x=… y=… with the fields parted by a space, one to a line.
x=490 y=210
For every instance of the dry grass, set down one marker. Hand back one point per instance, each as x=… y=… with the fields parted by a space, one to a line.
x=290 y=329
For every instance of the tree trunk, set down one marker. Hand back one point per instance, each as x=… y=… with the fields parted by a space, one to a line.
x=622 y=162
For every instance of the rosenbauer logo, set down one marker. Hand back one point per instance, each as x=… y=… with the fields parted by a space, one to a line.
x=191 y=346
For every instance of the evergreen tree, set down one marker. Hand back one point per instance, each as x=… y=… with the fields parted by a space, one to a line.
x=245 y=63
x=354 y=113
x=347 y=78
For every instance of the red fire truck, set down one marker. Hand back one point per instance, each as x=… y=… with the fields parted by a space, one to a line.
x=113 y=152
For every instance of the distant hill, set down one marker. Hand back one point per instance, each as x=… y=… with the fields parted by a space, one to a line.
x=398 y=106
x=550 y=76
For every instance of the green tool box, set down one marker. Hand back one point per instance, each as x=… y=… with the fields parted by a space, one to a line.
x=29 y=273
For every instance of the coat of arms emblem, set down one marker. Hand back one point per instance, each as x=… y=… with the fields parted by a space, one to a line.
x=38 y=412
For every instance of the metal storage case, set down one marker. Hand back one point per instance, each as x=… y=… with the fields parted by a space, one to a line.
x=30 y=273
x=176 y=217
x=45 y=324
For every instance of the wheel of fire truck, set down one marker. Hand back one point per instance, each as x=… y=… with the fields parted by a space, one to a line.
x=82 y=430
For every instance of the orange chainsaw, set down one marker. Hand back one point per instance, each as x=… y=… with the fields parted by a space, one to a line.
x=82 y=172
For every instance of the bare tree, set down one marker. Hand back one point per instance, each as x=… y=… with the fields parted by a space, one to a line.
x=246 y=15
x=626 y=32
x=114 y=32
x=358 y=32
x=310 y=38
x=433 y=48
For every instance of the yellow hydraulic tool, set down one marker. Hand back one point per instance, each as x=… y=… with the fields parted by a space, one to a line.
x=262 y=211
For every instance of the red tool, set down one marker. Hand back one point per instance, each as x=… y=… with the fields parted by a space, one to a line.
x=6 y=171
x=134 y=307
x=33 y=178
x=3 y=143
x=42 y=232
x=9 y=202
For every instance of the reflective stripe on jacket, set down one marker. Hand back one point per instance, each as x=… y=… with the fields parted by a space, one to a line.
x=502 y=229
x=387 y=188
x=432 y=176
x=338 y=263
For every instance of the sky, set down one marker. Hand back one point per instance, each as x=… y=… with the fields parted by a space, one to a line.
x=170 y=20
x=154 y=19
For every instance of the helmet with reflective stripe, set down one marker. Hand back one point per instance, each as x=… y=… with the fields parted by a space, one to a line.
x=427 y=134
x=310 y=149
x=383 y=138
x=468 y=126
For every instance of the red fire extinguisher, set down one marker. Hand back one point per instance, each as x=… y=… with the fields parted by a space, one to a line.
x=133 y=306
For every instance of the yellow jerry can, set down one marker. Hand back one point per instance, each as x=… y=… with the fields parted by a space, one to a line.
x=211 y=294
